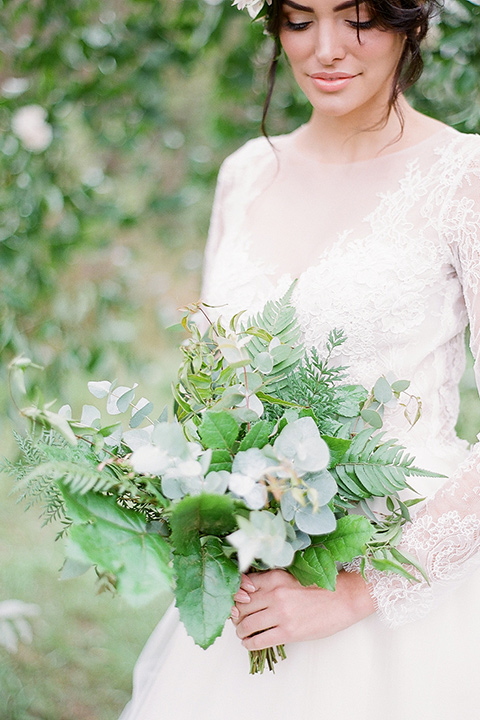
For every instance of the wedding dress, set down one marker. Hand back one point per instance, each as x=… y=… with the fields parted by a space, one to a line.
x=389 y=250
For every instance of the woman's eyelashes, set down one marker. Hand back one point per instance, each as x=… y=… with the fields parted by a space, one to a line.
x=290 y=25
x=303 y=25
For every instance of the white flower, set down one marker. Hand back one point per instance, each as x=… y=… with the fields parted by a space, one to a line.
x=30 y=126
x=262 y=537
x=253 y=6
x=254 y=494
x=248 y=468
x=149 y=460
x=301 y=444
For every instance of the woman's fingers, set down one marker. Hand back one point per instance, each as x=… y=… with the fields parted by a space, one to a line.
x=242 y=596
x=255 y=623
x=247 y=584
x=266 y=639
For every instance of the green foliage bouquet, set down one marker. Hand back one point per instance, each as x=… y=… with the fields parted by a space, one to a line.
x=272 y=460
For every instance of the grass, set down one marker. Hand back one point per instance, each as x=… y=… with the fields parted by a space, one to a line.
x=79 y=665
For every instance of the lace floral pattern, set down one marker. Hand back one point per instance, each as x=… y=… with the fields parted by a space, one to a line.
x=399 y=270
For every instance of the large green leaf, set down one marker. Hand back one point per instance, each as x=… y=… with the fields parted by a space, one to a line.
x=201 y=515
x=315 y=566
x=206 y=583
x=119 y=542
x=349 y=538
x=218 y=430
x=258 y=435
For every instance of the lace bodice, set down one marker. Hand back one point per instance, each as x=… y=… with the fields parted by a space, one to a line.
x=389 y=250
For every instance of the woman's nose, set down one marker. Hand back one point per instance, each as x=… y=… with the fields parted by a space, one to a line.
x=329 y=43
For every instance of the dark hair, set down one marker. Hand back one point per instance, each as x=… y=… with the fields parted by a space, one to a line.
x=407 y=17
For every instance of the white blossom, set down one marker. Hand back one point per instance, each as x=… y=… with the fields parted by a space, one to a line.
x=253 y=6
x=30 y=126
x=149 y=460
x=301 y=444
x=263 y=537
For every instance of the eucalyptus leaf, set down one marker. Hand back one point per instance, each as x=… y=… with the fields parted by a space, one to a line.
x=382 y=391
x=372 y=418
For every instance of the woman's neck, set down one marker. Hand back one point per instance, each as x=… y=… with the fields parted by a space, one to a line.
x=341 y=140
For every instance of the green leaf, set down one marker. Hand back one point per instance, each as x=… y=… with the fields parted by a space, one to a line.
x=221 y=460
x=348 y=399
x=201 y=515
x=349 y=538
x=123 y=402
x=139 y=416
x=400 y=386
x=117 y=540
x=382 y=390
x=206 y=583
x=315 y=566
x=218 y=430
x=258 y=435
x=385 y=565
x=338 y=447
x=372 y=418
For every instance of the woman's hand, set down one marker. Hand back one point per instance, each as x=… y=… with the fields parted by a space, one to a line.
x=272 y=608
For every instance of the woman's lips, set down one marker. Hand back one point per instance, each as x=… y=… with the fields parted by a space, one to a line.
x=331 y=82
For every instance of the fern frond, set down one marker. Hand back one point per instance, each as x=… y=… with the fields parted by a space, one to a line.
x=372 y=468
x=279 y=320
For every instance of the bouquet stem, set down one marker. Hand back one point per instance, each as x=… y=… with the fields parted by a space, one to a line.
x=268 y=656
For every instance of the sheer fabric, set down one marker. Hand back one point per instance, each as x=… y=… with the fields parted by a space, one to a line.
x=388 y=250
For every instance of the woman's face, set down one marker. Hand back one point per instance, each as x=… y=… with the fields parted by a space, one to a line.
x=338 y=74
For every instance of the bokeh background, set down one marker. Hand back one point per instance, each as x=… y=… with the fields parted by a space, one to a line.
x=114 y=118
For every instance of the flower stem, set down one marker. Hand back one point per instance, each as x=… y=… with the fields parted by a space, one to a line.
x=268 y=656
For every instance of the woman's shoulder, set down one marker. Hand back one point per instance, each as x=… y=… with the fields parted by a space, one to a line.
x=462 y=148
x=253 y=151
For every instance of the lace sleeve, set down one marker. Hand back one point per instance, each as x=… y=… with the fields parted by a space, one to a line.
x=216 y=225
x=445 y=532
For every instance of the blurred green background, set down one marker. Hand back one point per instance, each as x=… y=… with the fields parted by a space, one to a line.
x=114 y=118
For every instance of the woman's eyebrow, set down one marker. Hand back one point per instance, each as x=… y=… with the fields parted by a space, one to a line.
x=337 y=8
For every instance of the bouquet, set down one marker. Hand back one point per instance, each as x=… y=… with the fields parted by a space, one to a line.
x=271 y=460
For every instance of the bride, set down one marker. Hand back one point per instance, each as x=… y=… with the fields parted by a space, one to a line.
x=375 y=209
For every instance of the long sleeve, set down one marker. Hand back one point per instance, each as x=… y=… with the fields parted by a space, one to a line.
x=445 y=532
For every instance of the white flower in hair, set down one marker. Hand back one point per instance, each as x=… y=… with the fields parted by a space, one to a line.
x=253 y=6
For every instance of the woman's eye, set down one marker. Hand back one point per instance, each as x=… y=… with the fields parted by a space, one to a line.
x=358 y=25
x=299 y=25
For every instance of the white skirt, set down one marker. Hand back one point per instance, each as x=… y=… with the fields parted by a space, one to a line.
x=426 y=670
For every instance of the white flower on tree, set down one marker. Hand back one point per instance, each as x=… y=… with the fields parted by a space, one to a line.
x=29 y=124
x=253 y=6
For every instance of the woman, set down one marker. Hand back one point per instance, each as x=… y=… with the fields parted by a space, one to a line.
x=375 y=208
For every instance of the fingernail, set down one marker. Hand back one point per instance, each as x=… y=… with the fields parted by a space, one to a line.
x=235 y=614
x=250 y=587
